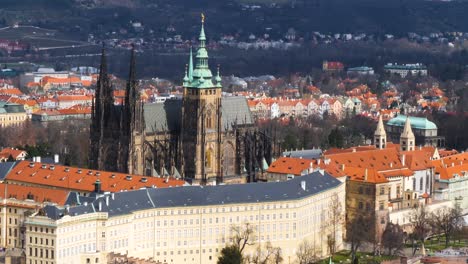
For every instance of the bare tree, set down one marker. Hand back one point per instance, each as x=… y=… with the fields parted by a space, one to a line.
x=393 y=238
x=335 y=223
x=447 y=221
x=243 y=236
x=420 y=219
x=269 y=255
x=358 y=231
x=306 y=253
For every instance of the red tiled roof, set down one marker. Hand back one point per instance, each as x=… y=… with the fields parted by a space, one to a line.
x=15 y=153
x=37 y=194
x=418 y=159
x=75 y=98
x=83 y=179
x=11 y=91
x=286 y=165
x=378 y=159
x=359 y=174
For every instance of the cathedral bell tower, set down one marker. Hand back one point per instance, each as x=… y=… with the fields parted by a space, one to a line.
x=380 y=136
x=407 y=139
x=201 y=118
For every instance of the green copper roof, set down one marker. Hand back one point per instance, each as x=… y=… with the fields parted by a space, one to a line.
x=201 y=77
x=416 y=122
x=202 y=33
x=190 y=69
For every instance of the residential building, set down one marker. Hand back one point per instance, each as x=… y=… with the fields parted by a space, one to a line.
x=404 y=69
x=451 y=179
x=18 y=202
x=73 y=113
x=191 y=224
x=364 y=70
x=12 y=114
x=332 y=66
x=14 y=153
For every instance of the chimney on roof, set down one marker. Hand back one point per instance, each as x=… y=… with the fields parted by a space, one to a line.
x=453 y=164
x=303 y=185
x=38 y=159
x=342 y=167
x=318 y=162
x=403 y=159
x=97 y=186
x=354 y=149
x=56 y=158
x=365 y=174
x=391 y=164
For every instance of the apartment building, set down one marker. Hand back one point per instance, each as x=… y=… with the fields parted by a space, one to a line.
x=12 y=114
x=17 y=203
x=190 y=224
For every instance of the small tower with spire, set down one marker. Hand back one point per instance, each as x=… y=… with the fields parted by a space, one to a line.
x=407 y=140
x=380 y=136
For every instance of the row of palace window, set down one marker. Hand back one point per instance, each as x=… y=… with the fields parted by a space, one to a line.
x=41 y=253
x=36 y=240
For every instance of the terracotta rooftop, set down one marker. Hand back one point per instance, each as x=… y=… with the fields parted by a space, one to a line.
x=79 y=179
x=37 y=194
x=286 y=165
x=379 y=159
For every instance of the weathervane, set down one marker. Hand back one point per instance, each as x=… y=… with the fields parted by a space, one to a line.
x=202 y=18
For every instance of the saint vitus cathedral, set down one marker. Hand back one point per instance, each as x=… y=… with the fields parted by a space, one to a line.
x=204 y=138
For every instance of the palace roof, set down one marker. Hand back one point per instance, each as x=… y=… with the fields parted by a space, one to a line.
x=123 y=203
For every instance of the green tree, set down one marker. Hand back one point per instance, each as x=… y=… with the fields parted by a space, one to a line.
x=230 y=255
x=335 y=138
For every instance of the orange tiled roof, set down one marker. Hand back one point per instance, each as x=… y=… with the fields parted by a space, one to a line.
x=418 y=159
x=359 y=174
x=57 y=176
x=75 y=111
x=379 y=159
x=74 y=98
x=287 y=165
x=348 y=150
x=11 y=91
x=15 y=153
x=252 y=103
x=38 y=194
x=447 y=171
x=119 y=93
x=447 y=152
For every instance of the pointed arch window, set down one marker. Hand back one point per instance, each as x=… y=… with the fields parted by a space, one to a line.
x=209 y=119
x=208 y=159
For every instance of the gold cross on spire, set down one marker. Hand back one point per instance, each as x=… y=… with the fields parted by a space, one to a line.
x=202 y=18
